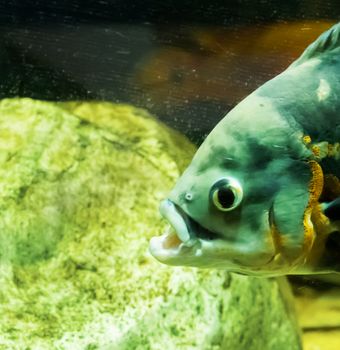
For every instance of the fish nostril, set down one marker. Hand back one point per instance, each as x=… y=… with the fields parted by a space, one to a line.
x=188 y=196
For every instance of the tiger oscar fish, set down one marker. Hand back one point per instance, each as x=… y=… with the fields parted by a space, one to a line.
x=262 y=194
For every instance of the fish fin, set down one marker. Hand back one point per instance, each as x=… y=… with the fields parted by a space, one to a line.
x=332 y=209
x=326 y=42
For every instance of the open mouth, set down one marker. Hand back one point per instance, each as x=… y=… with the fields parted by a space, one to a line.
x=183 y=231
x=186 y=242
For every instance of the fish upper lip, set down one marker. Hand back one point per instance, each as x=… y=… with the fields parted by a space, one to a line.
x=187 y=229
x=169 y=212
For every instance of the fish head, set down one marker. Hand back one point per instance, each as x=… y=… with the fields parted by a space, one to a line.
x=242 y=204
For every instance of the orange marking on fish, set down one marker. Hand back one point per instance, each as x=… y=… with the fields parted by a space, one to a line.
x=306 y=139
x=315 y=190
x=171 y=241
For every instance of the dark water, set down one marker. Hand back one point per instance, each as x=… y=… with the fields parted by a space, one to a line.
x=187 y=62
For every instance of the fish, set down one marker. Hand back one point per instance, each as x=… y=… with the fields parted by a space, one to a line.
x=261 y=195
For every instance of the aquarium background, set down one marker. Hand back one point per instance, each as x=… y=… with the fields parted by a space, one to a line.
x=189 y=62
x=186 y=62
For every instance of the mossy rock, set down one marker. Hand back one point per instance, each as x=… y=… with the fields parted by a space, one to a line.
x=80 y=184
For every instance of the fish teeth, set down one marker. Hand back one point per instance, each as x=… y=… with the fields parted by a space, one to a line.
x=177 y=222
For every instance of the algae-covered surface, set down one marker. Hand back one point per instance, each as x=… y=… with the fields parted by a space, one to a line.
x=75 y=198
x=80 y=184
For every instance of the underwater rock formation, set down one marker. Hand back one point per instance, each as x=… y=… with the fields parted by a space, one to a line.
x=80 y=185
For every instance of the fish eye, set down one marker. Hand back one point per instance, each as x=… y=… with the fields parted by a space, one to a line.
x=226 y=194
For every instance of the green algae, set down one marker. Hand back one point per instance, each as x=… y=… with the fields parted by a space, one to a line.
x=80 y=185
x=75 y=195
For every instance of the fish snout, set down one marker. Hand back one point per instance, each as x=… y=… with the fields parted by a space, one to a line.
x=178 y=220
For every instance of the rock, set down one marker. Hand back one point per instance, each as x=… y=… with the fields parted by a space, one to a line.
x=318 y=313
x=80 y=185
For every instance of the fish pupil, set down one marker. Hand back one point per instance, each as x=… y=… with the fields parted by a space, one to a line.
x=226 y=197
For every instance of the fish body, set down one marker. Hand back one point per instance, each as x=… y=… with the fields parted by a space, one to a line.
x=261 y=195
